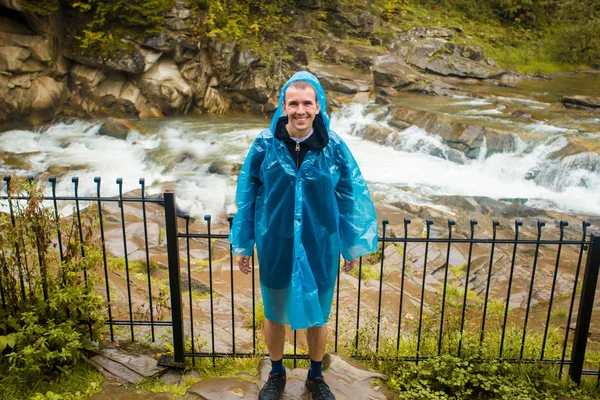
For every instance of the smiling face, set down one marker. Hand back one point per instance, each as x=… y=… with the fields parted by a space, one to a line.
x=301 y=107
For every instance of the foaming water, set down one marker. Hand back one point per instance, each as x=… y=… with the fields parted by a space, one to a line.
x=530 y=103
x=410 y=165
x=571 y=184
x=471 y=102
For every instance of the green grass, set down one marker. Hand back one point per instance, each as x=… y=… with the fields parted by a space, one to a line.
x=76 y=383
x=259 y=311
x=511 y=46
x=118 y=264
x=458 y=270
x=224 y=368
x=558 y=314
x=197 y=295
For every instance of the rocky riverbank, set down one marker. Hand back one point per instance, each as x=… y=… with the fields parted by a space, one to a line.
x=44 y=76
x=359 y=58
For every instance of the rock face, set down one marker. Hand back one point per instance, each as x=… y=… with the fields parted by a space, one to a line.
x=164 y=86
x=43 y=76
x=33 y=73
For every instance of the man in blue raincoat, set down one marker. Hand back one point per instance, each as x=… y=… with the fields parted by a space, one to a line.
x=302 y=200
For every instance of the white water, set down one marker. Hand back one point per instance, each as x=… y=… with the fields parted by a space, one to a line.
x=412 y=166
x=572 y=184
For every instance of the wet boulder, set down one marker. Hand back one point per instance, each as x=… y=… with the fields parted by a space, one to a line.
x=466 y=138
x=391 y=71
x=435 y=88
x=340 y=78
x=224 y=168
x=575 y=145
x=118 y=128
x=438 y=56
x=581 y=102
x=454 y=65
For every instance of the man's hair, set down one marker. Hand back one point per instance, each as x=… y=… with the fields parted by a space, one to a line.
x=302 y=85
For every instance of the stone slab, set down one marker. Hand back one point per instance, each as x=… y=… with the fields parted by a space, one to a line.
x=118 y=370
x=222 y=389
x=348 y=380
x=141 y=364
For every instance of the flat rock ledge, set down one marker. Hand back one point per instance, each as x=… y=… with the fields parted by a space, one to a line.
x=125 y=367
x=347 y=379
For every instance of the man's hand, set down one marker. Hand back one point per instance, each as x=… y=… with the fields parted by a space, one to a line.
x=244 y=264
x=348 y=265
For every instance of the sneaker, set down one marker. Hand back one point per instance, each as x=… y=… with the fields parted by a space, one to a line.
x=273 y=387
x=319 y=389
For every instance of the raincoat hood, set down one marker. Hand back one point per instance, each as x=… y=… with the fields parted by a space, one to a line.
x=321 y=98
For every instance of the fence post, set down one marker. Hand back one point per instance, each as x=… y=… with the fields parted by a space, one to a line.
x=586 y=304
x=174 y=283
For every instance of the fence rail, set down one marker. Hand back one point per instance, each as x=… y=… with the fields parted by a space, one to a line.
x=413 y=299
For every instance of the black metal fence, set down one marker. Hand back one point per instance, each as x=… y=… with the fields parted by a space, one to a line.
x=418 y=297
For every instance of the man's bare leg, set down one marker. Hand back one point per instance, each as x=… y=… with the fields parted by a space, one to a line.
x=317 y=339
x=275 y=338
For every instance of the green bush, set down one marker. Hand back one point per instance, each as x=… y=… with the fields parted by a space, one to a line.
x=450 y=377
x=42 y=8
x=109 y=22
x=48 y=311
x=143 y=15
x=250 y=22
x=578 y=43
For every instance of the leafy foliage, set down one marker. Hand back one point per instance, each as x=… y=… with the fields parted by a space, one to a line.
x=48 y=310
x=42 y=8
x=113 y=20
x=145 y=15
x=450 y=377
x=537 y=36
x=478 y=370
x=250 y=22
x=78 y=383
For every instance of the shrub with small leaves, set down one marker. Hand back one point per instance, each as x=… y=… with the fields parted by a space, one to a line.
x=48 y=309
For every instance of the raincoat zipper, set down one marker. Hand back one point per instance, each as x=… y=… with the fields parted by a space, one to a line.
x=297 y=155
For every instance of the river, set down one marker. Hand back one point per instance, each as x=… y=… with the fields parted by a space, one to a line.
x=412 y=167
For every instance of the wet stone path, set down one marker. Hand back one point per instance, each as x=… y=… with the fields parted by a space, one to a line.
x=348 y=379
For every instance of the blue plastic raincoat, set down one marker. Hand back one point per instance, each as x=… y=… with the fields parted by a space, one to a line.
x=301 y=219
